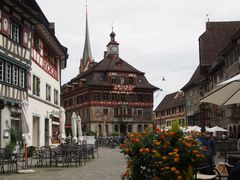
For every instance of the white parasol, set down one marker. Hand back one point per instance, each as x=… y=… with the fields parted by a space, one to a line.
x=24 y=122
x=62 y=135
x=74 y=126
x=79 y=123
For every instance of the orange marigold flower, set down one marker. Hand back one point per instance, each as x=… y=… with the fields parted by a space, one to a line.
x=195 y=151
x=141 y=150
x=179 y=177
x=164 y=146
x=175 y=150
x=157 y=143
x=136 y=133
x=176 y=160
x=173 y=169
x=177 y=172
x=131 y=135
x=157 y=178
x=157 y=130
x=147 y=150
x=164 y=158
x=170 y=153
x=137 y=140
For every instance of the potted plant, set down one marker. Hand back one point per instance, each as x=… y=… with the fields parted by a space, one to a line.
x=158 y=154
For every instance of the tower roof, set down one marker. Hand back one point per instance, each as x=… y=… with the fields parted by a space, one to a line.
x=87 y=54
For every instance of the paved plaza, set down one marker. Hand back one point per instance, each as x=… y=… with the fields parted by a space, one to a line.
x=108 y=166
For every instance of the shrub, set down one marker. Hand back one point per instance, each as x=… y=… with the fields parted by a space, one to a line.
x=156 y=154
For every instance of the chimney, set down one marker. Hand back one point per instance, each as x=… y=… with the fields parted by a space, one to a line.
x=52 y=26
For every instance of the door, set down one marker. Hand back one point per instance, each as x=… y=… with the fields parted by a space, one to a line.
x=46 y=132
x=35 y=133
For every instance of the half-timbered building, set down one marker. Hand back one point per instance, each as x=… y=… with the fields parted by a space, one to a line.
x=31 y=58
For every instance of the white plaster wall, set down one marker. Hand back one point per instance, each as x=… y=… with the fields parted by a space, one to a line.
x=41 y=109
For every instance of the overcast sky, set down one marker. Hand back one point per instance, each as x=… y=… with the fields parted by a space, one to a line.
x=158 y=37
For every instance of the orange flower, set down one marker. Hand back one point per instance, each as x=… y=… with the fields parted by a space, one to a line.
x=164 y=146
x=176 y=160
x=177 y=172
x=179 y=177
x=195 y=151
x=157 y=178
x=172 y=133
x=170 y=153
x=141 y=150
x=164 y=158
x=131 y=135
x=173 y=169
x=157 y=130
x=157 y=143
x=175 y=150
x=137 y=140
x=136 y=133
x=147 y=150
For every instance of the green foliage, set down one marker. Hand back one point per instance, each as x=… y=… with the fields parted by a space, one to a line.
x=114 y=133
x=10 y=147
x=175 y=125
x=15 y=136
x=89 y=133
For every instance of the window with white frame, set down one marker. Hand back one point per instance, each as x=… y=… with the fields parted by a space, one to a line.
x=36 y=85
x=55 y=96
x=22 y=78
x=48 y=92
x=8 y=73
x=1 y=70
x=15 y=75
x=15 y=32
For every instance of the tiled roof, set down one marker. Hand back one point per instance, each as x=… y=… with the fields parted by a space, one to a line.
x=214 y=39
x=171 y=100
x=195 y=79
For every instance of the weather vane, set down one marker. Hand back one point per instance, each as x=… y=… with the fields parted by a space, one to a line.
x=207 y=17
x=112 y=26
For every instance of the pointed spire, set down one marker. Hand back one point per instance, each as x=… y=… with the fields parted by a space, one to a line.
x=87 y=54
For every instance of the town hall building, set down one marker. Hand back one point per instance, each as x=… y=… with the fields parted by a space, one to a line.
x=111 y=95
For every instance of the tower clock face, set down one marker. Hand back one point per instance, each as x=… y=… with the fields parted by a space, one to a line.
x=114 y=49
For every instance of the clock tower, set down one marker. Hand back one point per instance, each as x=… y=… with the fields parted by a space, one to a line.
x=113 y=46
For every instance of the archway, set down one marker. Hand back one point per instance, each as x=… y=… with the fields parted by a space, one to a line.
x=123 y=129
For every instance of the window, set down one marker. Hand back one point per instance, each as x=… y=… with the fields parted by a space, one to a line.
x=123 y=97
x=123 y=111
x=115 y=111
x=129 y=111
x=114 y=97
x=96 y=96
x=1 y=70
x=22 y=79
x=114 y=80
x=15 y=32
x=105 y=111
x=8 y=73
x=48 y=92
x=105 y=96
x=130 y=80
x=15 y=75
x=131 y=97
x=139 y=112
x=36 y=86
